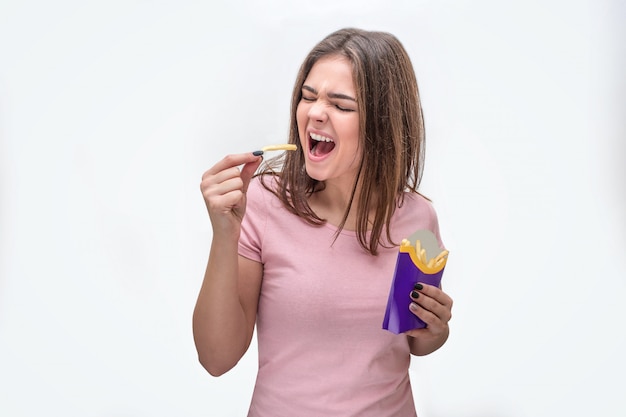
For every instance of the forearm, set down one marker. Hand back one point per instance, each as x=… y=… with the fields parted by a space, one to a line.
x=219 y=322
x=425 y=343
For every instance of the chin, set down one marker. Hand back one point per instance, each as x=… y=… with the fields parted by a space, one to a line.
x=315 y=174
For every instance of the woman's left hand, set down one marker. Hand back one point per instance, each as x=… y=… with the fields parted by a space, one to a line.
x=434 y=307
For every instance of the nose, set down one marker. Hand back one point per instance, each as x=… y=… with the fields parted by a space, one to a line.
x=317 y=112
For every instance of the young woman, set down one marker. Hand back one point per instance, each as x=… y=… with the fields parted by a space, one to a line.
x=305 y=250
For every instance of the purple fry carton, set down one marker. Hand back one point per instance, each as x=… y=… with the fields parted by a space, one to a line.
x=420 y=259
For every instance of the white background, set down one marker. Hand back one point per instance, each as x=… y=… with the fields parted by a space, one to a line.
x=111 y=111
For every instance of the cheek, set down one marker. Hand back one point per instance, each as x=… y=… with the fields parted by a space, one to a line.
x=351 y=130
x=358 y=148
x=300 y=117
x=302 y=121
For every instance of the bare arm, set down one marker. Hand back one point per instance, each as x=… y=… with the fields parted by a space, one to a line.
x=225 y=311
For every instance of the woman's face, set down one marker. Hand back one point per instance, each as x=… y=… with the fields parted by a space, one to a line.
x=328 y=122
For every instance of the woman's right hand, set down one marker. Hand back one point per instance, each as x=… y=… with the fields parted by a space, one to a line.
x=224 y=190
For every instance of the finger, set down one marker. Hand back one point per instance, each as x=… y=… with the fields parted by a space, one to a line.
x=247 y=172
x=210 y=180
x=230 y=161
x=433 y=323
x=224 y=203
x=426 y=316
x=434 y=293
x=215 y=189
x=441 y=311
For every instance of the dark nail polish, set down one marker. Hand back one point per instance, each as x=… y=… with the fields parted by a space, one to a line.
x=257 y=153
x=415 y=294
x=418 y=286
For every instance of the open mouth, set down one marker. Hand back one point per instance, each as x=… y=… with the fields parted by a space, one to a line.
x=320 y=145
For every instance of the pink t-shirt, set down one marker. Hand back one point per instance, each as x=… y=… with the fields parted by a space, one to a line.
x=322 y=350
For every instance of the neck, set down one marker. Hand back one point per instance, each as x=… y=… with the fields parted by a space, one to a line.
x=331 y=204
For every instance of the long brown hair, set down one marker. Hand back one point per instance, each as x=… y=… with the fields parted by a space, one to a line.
x=391 y=134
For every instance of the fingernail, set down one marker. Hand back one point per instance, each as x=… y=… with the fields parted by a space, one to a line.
x=415 y=294
x=257 y=153
x=418 y=286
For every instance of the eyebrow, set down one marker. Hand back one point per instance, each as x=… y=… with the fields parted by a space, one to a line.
x=331 y=95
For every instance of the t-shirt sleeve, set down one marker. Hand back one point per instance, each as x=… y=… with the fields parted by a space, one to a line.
x=434 y=223
x=253 y=223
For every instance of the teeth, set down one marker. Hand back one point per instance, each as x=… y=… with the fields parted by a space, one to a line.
x=320 y=138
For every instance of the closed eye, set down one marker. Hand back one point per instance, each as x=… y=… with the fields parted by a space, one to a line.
x=343 y=108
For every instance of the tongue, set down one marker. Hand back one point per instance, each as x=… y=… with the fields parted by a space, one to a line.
x=323 y=148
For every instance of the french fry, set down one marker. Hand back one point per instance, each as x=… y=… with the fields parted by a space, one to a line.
x=442 y=255
x=283 y=147
x=441 y=258
x=421 y=257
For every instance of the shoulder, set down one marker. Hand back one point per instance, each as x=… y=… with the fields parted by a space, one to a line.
x=415 y=212
x=261 y=187
x=261 y=193
x=416 y=201
x=258 y=217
